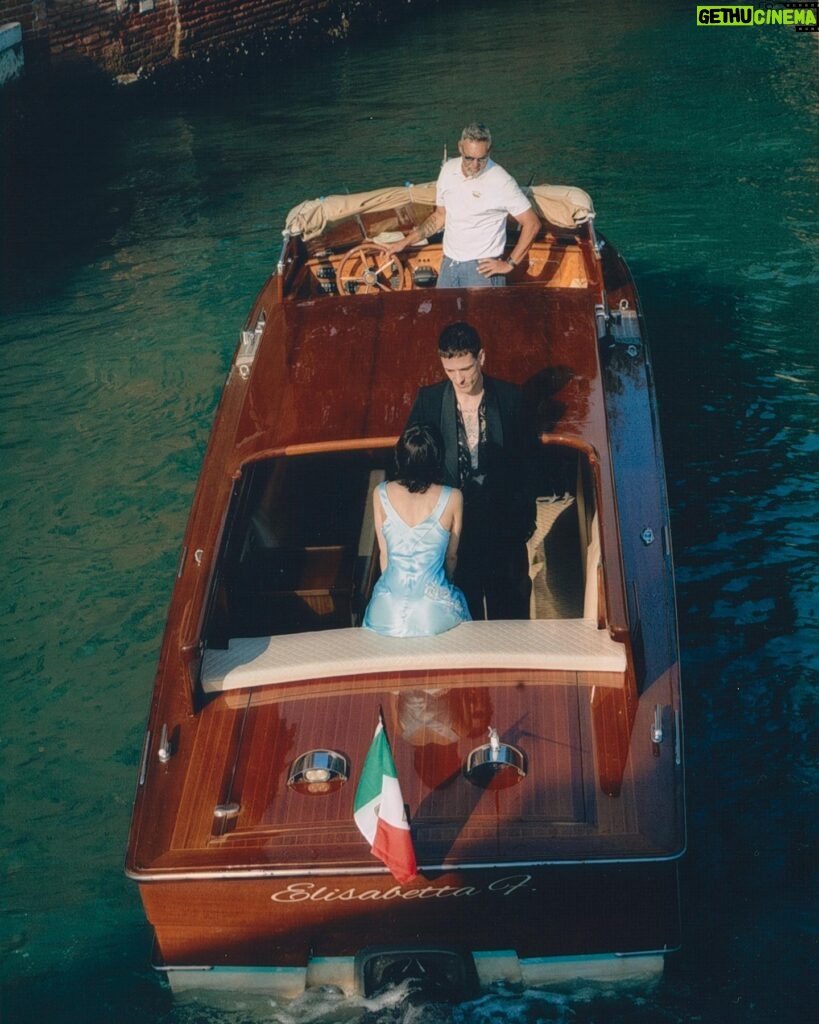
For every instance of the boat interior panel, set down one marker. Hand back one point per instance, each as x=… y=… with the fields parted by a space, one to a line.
x=553 y=262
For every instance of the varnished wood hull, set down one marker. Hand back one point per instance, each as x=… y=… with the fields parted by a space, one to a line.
x=575 y=861
x=539 y=912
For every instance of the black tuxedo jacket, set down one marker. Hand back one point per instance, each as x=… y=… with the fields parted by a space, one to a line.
x=506 y=459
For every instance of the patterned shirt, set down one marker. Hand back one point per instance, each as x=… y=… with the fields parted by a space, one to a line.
x=470 y=472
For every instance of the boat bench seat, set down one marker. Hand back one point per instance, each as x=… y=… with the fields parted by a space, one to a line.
x=569 y=645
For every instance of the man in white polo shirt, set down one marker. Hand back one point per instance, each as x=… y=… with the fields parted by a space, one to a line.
x=474 y=196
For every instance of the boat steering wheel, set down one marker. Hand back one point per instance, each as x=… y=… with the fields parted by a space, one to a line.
x=368 y=268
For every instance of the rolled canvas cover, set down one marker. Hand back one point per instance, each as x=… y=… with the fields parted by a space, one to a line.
x=564 y=206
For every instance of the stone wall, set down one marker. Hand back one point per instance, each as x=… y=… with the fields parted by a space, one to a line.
x=128 y=39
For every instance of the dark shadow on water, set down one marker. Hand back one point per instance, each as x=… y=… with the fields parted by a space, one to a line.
x=61 y=138
x=731 y=472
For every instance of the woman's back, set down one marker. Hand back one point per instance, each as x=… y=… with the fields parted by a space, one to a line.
x=414 y=507
x=417 y=540
x=413 y=596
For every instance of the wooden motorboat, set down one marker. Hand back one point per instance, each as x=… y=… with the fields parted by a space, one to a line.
x=540 y=761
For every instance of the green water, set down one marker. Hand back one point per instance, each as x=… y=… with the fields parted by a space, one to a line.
x=136 y=237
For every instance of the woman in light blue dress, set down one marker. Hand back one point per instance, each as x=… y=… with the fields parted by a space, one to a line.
x=418 y=524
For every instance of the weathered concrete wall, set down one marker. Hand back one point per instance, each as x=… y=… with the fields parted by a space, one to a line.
x=131 y=38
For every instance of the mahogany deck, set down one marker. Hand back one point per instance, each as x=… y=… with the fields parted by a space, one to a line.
x=245 y=742
x=387 y=347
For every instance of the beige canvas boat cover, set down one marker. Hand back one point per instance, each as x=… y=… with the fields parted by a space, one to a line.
x=564 y=206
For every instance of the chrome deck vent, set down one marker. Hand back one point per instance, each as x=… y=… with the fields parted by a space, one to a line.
x=495 y=765
x=318 y=771
x=248 y=345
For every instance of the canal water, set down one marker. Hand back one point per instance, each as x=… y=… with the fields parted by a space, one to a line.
x=137 y=231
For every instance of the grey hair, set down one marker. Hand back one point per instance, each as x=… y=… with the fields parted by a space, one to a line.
x=477 y=132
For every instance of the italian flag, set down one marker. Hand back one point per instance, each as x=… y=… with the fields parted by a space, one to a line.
x=379 y=810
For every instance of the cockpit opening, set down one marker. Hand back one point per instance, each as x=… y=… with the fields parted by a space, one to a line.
x=299 y=551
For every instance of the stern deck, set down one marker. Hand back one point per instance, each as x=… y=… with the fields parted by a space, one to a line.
x=529 y=687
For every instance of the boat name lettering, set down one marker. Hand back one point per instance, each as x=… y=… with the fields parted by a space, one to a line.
x=300 y=892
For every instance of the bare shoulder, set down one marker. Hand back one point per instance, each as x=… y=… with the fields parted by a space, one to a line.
x=454 y=506
x=456 y=499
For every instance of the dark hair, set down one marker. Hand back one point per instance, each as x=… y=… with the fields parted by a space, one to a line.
x=419 y=458
x=459 y=339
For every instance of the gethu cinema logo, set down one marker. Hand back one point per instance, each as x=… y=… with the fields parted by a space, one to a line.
x=801 y=16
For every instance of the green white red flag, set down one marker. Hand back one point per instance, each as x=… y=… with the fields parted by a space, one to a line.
x=379 y=810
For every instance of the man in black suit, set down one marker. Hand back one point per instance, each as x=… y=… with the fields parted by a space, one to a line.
x=485 y=455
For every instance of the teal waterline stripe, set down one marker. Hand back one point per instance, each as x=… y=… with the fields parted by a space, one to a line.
x=248 y=970
x=591 y=957
x=481 y=955
x=229 y=969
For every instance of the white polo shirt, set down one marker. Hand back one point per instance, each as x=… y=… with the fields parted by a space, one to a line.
x=476 y=210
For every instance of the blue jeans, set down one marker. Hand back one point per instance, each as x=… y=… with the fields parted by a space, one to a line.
x=465 y=275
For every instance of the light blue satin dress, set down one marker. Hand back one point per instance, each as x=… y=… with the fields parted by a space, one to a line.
x=413 y=596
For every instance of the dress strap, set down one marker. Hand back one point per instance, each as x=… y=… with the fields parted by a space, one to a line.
x=386 y=504
x=441 y=503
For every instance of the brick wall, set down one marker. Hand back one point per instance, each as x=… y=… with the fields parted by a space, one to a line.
x=124 y=40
